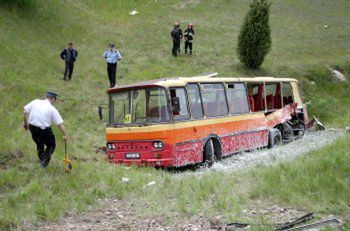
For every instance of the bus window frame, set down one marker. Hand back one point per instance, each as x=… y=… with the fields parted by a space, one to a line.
x=227 y=107
x=281 y=98
x=292 y=92
x=247 y=96
x=171 y=106
x=200 y=96
x=271 y=83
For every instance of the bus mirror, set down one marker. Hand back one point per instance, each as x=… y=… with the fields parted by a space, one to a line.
x=175 y=102
x=99 y=109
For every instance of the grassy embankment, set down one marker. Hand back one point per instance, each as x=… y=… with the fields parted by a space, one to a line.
x=30 y=43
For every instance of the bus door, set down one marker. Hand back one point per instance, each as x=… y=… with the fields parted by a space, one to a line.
x=187 y=139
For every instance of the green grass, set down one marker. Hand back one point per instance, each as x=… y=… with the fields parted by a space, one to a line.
x=319 y=181
x=32 y=38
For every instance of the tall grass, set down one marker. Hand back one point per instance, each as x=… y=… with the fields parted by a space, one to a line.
x=319 y=181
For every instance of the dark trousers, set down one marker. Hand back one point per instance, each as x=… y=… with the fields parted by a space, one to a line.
x=112 y=71
x=42 y=138
x=68 y=70
x=176 y=48
x=188 y=45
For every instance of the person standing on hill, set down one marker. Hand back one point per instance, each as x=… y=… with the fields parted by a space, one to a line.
x=189 y=34
x=112 y=57
x=70 y=55
x=38 y=116
x=176 y=35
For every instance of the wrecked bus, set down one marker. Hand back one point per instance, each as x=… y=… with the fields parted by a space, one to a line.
x=175 y=122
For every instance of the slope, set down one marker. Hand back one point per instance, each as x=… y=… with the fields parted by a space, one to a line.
x=31 y=40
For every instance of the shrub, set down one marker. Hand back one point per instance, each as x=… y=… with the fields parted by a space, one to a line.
x=254 y=41
x=19 y=3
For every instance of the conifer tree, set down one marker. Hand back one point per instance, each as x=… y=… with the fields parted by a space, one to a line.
x=254 y=41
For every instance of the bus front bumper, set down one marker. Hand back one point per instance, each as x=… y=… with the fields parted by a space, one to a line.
x=165 y=162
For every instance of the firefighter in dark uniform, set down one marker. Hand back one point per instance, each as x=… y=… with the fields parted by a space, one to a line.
x=176 y=35
x=189 y=34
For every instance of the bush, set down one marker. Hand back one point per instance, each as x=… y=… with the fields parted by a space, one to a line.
x=19 y=3
x=254 y=41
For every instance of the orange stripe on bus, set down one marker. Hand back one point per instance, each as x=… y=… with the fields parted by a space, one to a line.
x=192 y=130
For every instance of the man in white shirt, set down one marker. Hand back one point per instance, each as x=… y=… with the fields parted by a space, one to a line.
x=38 y=116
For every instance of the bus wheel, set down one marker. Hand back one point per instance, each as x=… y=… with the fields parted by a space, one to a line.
x=275 y=138
x=208 y=153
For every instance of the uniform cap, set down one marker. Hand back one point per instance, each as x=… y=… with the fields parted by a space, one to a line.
x=112 y=45
x=51 y=94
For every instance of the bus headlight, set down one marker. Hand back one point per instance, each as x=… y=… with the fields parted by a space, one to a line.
x=110 y=146
x=158 y=144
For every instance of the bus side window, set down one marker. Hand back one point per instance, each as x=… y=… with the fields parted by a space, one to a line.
x=178 y=95
x=214 y=99
x=195 y=101
x=287 y=93
x=271 y=89
x=257 y=96
x=237 y=98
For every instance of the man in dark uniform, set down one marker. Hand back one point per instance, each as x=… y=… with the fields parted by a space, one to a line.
x=70 y=55
x=38 y=116
x=176 y=35
x=189 y=34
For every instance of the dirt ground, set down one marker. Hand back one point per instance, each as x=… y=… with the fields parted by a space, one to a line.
x=114 y=215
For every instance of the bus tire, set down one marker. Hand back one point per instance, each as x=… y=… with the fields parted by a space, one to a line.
x=275 y=138
x=208 y=153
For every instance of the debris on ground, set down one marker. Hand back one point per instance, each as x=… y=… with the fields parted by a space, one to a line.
x=295 y=222
x=337 y=75
x=133 y=12
x=151 y=183
x=333 y=223
x=125 y=180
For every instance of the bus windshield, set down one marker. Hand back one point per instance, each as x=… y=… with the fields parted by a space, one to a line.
x=140 y=106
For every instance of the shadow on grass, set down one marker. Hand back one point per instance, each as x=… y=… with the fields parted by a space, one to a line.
x=240 y=68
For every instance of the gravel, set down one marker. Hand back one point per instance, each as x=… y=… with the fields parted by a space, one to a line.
x=246 y=160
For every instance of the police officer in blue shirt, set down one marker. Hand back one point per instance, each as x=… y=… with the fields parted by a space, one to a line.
x=112 y=56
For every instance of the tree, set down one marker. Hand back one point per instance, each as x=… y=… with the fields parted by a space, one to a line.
x=19 y=3
x=254 y=41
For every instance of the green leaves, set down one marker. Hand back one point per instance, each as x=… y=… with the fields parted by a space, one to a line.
x=254 y=41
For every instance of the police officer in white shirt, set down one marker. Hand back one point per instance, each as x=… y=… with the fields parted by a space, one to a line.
x=112 y=57
x=38 y=116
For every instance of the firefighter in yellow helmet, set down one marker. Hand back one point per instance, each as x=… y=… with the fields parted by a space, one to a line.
x=189 y=34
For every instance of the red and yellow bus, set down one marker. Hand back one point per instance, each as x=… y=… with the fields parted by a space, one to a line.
x=175 y=122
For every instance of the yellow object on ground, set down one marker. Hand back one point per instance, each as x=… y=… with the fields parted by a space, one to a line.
x=66 y=161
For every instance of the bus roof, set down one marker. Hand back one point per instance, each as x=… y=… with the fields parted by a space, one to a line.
x=210 y=78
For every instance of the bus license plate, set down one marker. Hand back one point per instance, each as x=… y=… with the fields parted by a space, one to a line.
x=132 y=155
